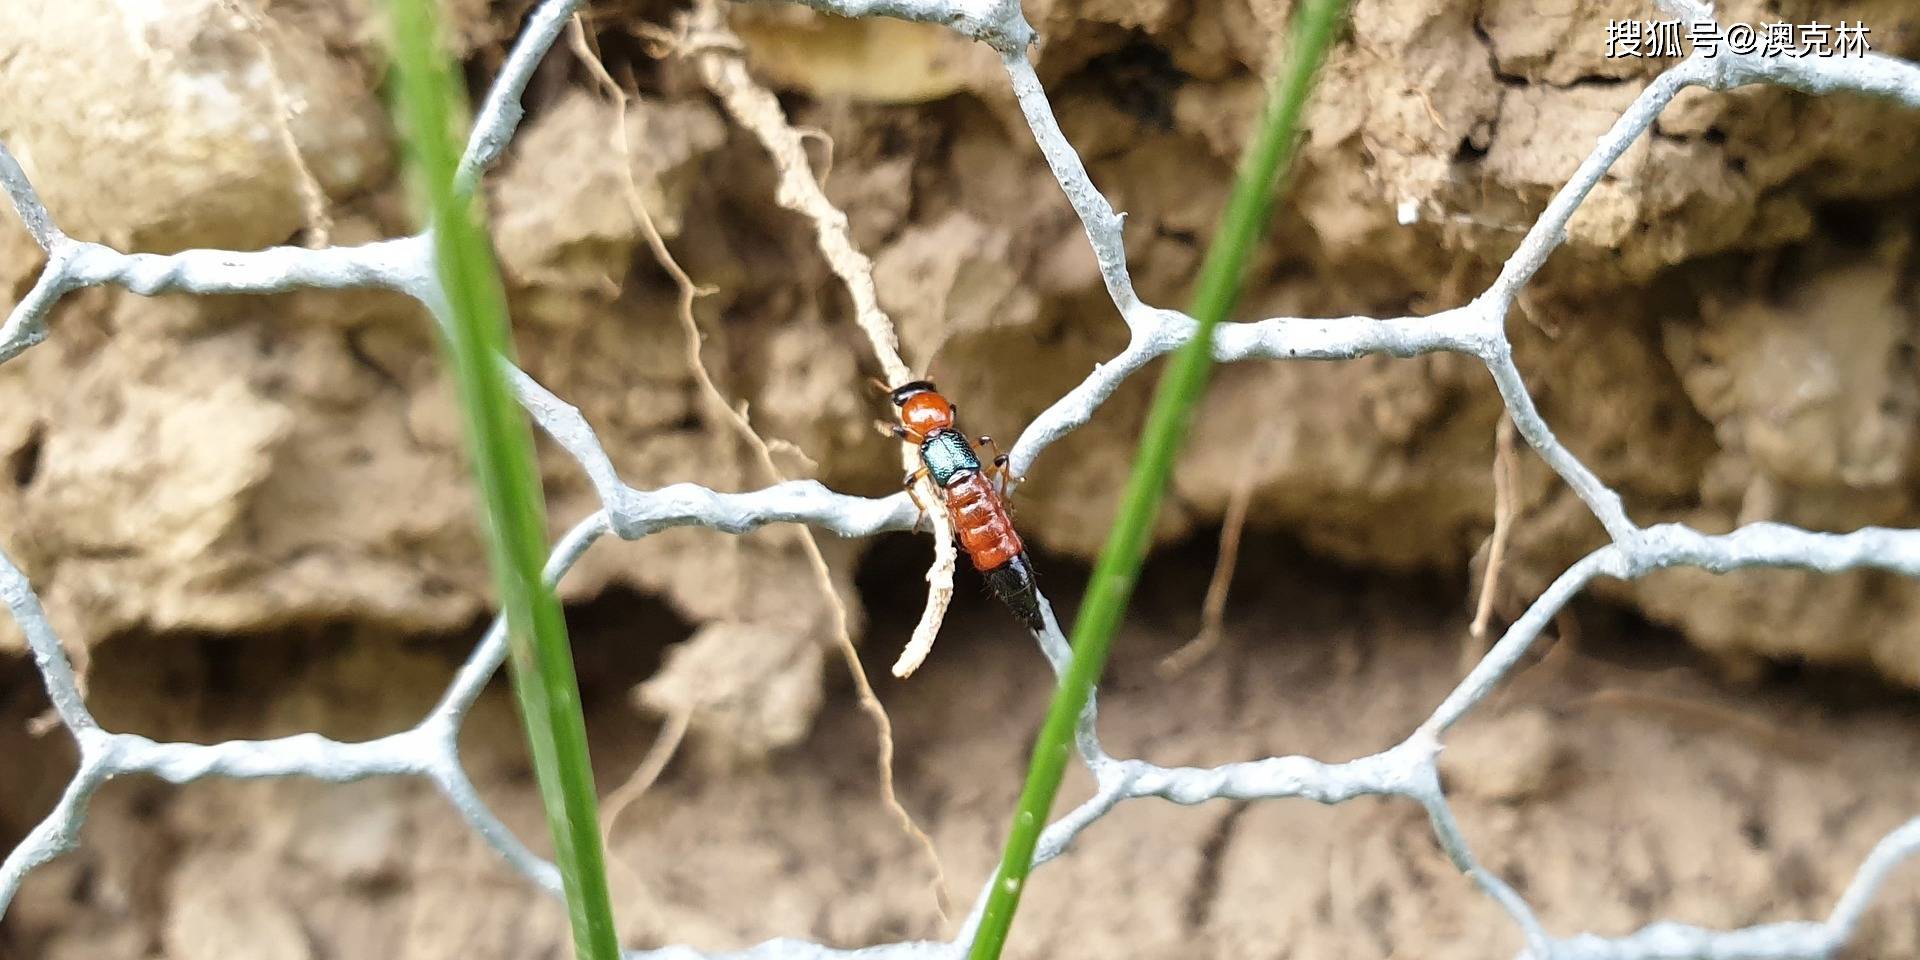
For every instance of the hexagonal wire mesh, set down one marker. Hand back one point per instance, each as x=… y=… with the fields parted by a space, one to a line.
x=1407 y=770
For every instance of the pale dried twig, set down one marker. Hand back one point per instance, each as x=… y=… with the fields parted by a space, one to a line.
x=1505 y=479
x=736 y=418
x=672 y=732
x=313 y=199
x=1213 y=610
x=717 y=57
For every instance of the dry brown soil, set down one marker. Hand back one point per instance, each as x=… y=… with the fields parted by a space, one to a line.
x=1613 y=782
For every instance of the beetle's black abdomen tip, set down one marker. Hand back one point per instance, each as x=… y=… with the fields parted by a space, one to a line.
x=1013 y=584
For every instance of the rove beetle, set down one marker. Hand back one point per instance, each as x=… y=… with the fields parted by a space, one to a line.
x=974 y=495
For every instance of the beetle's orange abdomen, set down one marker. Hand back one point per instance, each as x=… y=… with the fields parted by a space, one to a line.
x=981 y=523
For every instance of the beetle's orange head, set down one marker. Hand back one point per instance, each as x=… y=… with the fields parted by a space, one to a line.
x=922 y=409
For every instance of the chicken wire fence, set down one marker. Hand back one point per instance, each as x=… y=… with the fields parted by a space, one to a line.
x=1408 y=769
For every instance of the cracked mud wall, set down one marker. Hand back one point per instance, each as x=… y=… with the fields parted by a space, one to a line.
x=1728 y=335
x=194 y=484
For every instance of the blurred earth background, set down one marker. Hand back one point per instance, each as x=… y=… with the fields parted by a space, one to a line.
x=249 y=516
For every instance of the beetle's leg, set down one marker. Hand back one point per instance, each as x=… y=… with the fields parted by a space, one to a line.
x=913 y=478
x=997 y=469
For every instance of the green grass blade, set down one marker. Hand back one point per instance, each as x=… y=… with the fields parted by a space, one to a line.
x=502 y=451
x=1248 y=210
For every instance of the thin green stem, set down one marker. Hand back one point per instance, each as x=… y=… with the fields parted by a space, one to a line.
x=1249 y=208
x=474 y=312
